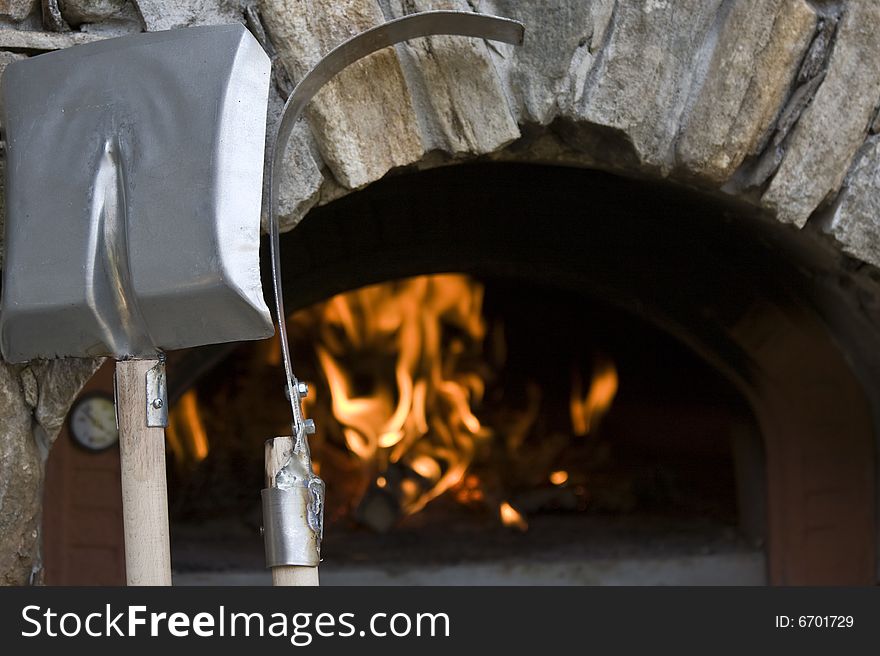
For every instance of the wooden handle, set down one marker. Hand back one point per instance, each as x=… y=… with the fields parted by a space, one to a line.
x=277 y=453
x=144 y=490
x=295 y=575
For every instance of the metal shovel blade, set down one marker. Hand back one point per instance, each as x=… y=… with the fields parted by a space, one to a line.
x=134 y=178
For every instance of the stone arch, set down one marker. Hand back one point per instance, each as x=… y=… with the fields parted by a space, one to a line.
x=767 y=103
x=772 y=103
x=710 y=273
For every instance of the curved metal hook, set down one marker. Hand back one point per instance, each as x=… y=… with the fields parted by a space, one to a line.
x=429 y=23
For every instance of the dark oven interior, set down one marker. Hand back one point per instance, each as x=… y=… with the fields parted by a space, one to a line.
x=536 y=374
x=512 y=367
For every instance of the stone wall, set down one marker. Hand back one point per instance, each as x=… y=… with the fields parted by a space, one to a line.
x=772 y=101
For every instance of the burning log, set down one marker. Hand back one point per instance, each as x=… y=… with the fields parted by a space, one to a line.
x=413 y=398
x=403 y=371
x=378 y=508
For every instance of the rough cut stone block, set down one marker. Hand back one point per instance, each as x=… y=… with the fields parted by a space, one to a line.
x=833 y=127
x=33 y=403
x=457 y=92
x=17 y=10
x=26 y=40
x=364 y=120
x=751 y=71
x=855 y=223
x=169 y=14
x=640 y=82
x=20 y=482
x=300 y=182
x=547 y=73
x=76 y=12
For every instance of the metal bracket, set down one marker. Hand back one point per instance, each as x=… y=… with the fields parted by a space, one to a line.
x=157 y=396
x=293 y=511
x=288 y=536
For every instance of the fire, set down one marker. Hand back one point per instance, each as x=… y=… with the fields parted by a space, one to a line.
x=187 y=437
x=412 y=398
x=394 y=358
x=402 y=370
x=587 y=410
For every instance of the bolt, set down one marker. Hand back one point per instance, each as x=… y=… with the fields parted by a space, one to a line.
x=303 y=389
x=309 y=426
x=157 y=403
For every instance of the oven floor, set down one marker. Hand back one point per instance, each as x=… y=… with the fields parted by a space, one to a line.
x=556 y=550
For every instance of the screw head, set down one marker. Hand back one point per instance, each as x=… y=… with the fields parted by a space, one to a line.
x=157 y=403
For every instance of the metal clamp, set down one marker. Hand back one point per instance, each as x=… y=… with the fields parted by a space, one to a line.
x=289 y=538
x=293 y=511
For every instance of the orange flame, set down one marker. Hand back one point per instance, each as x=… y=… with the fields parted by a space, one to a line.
x=187 y=437
x=402 y=369
x=392 y=358
x=587 y=411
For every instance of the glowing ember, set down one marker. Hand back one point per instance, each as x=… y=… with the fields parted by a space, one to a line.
x=510 y=516
x=558 y=477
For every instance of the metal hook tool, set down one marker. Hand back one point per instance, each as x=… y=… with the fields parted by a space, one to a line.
x=298 y=472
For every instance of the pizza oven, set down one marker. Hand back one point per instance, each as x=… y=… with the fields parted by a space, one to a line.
x=526 y=374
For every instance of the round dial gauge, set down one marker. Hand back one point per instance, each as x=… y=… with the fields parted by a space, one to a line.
x=92 y=422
